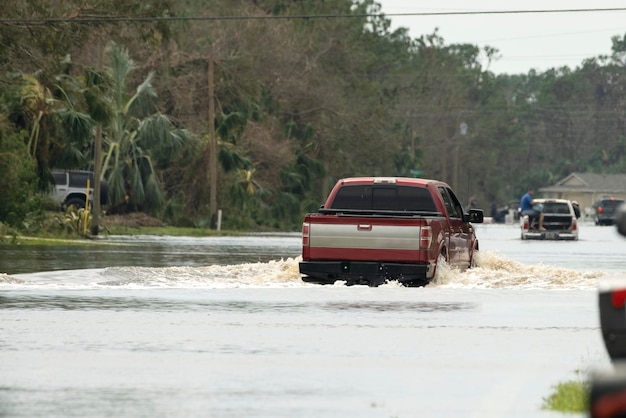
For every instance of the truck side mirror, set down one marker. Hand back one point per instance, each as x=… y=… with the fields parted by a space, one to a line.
x=475 y=216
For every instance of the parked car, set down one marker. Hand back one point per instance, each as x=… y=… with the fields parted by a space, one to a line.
x=559 y=220
x=70 y=188
x=499 y=213
x=605 y=209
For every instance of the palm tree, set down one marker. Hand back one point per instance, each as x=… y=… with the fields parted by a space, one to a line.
x=37 y=103
x=60 y=130
x=136 y=139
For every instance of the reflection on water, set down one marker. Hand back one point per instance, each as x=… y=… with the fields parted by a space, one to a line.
x=398 y=307
x=124 y=303
x=147 y=251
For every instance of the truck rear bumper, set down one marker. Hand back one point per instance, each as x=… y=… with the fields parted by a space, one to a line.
x=370 y=273
x=550 y=235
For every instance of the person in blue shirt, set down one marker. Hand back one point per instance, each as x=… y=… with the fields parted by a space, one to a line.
x=527 y=207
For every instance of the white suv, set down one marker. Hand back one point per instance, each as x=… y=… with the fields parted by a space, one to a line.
x=70 y=188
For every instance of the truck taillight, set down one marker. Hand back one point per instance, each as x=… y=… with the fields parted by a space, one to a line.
x=618 y=297
x=574 y=225
x=305 y=234
x=426 y=237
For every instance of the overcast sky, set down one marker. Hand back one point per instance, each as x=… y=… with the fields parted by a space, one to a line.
x=538 y=40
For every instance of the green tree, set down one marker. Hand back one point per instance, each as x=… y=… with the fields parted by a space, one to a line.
x=18 y=181
x=137 y=138
x=60 y=131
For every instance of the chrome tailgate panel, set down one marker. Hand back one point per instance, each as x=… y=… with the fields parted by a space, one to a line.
x=365 y=236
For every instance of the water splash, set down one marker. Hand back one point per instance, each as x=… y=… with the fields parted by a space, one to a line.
x=6 y=279
x=496 y=271
x=493 y=271
x=276 y=273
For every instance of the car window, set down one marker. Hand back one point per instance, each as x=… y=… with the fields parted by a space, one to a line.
x=59 y=178
x=611 y=203
x=452 y=203
x=79 y=180
x=556 y=207
x=379 y=197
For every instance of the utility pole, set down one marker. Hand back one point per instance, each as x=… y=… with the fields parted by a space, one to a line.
x=97 y=170
x=457 y=146
x=212 y=149
x=444 y=156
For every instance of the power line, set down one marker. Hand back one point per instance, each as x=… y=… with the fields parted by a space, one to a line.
x=113 y=19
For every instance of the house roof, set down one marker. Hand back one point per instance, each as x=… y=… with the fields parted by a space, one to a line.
x=589 y=182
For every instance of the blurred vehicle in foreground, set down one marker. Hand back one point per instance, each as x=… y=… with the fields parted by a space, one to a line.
x=607 y=394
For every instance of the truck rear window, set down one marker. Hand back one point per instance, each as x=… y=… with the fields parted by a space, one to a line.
x=556 y=207
x=384 y=197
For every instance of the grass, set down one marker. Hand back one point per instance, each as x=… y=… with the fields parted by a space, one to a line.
x=25 y=240
x=166 y=230
x=68 y=228
x=18 y=239
x=571 y=396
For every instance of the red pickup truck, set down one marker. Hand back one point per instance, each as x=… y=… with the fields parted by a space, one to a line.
x=377 y=229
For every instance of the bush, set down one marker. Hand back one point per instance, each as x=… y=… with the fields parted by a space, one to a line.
x=18 y=181
x=571 y=396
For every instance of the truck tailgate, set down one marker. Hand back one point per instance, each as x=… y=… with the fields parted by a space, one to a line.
x=366 y=239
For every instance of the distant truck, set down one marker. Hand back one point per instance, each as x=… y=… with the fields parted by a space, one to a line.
x=605 y=210
x=372 y=230
x=560 y=221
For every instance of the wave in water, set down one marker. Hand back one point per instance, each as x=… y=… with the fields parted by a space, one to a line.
x=496 y=271
x=493 y=271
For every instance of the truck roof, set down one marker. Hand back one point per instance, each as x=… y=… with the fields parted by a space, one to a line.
x=389 y=180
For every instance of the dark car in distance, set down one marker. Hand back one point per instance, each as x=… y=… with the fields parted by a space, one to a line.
x=605 y=210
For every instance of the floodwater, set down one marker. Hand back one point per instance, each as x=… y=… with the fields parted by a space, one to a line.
x=224 y=327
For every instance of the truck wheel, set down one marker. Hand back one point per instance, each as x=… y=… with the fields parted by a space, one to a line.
x=473 y=260
x=441 y=260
